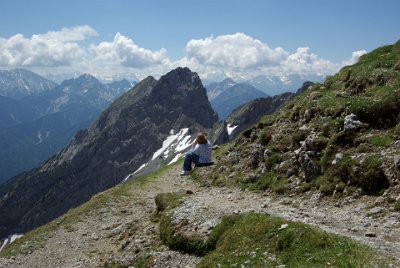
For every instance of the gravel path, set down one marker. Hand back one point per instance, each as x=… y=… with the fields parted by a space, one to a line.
x=124 y=229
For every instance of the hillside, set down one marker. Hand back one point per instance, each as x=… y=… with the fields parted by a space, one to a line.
x=340 y=138
x=122 y=226
x=328 y=160
x=122 y=139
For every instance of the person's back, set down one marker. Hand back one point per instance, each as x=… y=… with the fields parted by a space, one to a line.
x=200 y=155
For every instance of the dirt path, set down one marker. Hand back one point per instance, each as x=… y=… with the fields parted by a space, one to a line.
x=124 y=229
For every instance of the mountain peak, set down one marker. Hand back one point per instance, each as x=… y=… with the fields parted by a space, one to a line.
x=86 y=77
x=228 y=81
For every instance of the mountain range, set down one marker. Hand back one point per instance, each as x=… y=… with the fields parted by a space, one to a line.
x=227 y=95
x=124 y=137
x=19 y=83
x=328 y=157
x=41 y=123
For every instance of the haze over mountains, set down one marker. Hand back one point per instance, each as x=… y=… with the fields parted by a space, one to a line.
x=45 y=116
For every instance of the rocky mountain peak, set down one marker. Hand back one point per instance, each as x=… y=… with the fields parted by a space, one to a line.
x=81 y=80
x=19 y=83
x=123 y=138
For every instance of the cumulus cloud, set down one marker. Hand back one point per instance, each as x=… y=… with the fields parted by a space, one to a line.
x=355 y=56
x=123 y=51
x=303 y=61
x=234 y=55
x=55 y=48
x=234 y=50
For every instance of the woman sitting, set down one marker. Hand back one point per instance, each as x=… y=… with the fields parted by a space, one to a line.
x=200 y=155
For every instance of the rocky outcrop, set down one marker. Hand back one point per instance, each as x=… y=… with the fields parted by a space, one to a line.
x=249 y=114
x=124 y=137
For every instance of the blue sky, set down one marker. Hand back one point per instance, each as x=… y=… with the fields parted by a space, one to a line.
x=156 y=34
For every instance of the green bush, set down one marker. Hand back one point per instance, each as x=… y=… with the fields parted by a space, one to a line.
x=370 y=177
x=265 y=136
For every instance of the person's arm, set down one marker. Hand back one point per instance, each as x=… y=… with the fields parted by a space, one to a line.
x=196 y=150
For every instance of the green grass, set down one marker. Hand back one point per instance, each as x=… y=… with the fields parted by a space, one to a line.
x=380 y=140
x=259 y=240
x=167 y=201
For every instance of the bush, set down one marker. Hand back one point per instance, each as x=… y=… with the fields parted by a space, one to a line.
x=265 y=137
x=370 y=177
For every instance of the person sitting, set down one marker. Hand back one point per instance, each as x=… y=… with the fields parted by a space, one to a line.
x=200 y=155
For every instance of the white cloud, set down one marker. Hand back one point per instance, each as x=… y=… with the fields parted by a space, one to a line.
x=304 y=62
x=55 y=48
x=234 y=51
x=234 y=55
x=355 y=56
x=123 y=51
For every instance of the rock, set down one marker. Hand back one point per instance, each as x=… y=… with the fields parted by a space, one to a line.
x=267 y=154
x=351 y=123
x=309 y=114
x=370 y=234
x=375 y=211
x=338 y=157
x=396 y=162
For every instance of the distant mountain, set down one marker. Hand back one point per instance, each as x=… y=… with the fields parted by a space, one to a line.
x=125 y=136
x=273 y=85
x=249 y=114
x=216 y=88
x=117 y=88
x=41 y=124
x=19 y=83
x=228 y=95
x=13 y=112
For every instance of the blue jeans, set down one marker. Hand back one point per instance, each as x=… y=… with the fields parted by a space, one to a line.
x=189 y=159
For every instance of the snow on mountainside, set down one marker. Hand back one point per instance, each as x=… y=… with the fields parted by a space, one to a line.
x=173 y=147
x=19 y=83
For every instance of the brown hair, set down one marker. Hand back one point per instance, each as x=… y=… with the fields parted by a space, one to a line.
x=201 y=139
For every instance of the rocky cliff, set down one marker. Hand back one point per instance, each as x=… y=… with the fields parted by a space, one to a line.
x=124 y=137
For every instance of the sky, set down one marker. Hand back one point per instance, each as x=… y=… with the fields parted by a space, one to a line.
x=216 y=38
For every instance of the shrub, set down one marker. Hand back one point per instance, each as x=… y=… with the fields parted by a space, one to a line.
x=265 y=136
x=370 y=177
x=274 y=159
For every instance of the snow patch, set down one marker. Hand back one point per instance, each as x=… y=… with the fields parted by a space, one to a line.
x=10 y=239
x=230 y=128
x=179 y=141
x=176 y=158
x=136 y=171
x=140 y=168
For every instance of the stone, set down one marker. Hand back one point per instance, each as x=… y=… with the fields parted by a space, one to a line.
x=351 y=123
x=267 y=154
x=338 y=157
x=370 y=234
